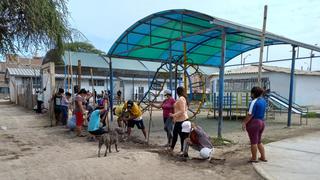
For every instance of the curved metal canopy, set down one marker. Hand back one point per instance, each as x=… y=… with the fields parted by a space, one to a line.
x=162 y=35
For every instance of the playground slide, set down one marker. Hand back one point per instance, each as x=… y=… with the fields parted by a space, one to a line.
x=279 y=100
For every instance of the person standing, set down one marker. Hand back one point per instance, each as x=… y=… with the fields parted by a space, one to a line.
x=57 y=98
x=95 y=96
x=179 y=116
x=40 y=99
x=167 y=107
x=119 y=93
x=65 y=103
x=79 y=110
x=254 y=124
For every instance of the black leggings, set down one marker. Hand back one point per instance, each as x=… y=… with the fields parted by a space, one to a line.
x=178 y=130
x=98 y=132
x=39 y=106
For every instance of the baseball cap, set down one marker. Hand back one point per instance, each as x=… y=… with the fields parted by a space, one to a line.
x=129 y=103
x=205 y=152
x=186 y=126
x=167 y=91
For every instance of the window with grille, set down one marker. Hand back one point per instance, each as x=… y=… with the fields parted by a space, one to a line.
x=96 y=82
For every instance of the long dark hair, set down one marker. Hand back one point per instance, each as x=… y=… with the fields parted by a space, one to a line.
x=181 y=92
x=256 y=92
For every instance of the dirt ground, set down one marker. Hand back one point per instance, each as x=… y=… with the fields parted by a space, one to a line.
x=31 y=149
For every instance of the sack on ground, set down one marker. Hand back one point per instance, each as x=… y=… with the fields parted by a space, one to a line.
x=72 y=122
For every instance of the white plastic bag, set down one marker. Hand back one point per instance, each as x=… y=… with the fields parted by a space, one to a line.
x=72 y=122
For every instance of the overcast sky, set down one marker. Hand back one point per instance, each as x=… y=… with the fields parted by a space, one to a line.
x=103 y=21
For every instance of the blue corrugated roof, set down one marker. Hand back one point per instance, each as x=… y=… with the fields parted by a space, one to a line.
x=162 y=35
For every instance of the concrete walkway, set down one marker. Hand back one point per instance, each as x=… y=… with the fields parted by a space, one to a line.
x=294 y=158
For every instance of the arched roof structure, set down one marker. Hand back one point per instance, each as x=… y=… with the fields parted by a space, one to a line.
x=162 y=35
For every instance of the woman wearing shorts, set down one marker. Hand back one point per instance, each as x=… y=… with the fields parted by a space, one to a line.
x=254 y=124
x=79 y=110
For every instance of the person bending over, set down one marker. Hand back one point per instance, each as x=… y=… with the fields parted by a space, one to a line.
x=94 y=123
x=135 y=117
x=198 y=140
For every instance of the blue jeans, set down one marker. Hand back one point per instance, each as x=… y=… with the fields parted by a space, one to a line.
x=64 y=110
x=168 y=127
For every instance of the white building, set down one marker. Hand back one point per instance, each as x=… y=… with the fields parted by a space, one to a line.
x=131 y=77
x=306 y=88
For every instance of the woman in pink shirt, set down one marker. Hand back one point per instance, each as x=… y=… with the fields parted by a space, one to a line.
x=167 y=107
x=179 y=116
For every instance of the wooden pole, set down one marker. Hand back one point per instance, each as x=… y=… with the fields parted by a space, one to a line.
x=92 y=83
x=150 y=121
x=185 y=66
x=79 y=74
x=52 y=89
x=68 y=76
x=262 y=43
x=71 y=74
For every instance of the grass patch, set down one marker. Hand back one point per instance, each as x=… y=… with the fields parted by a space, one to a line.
x=267 y=141
x=221 y=141
x=311 y=115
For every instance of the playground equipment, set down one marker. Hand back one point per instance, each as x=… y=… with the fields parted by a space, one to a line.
x=210 y=41
x=162 y=76
x=279 y=103
x=235 y=104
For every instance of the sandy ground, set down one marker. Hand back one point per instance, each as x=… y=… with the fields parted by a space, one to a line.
x=31 y=149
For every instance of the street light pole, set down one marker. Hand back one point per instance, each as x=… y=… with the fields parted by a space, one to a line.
x=244 y=59
x=311 y=55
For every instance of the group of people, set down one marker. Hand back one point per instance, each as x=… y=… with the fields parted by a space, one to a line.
x=175 y=119
x=81 y=106
x=175 y=112
x=176 y=123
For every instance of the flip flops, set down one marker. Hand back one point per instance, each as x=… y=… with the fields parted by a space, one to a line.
x=253 y=161
x=263 y=160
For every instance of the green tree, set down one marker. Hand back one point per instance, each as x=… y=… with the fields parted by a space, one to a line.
x=55 y=56
x=82 y=47
x=27 y=24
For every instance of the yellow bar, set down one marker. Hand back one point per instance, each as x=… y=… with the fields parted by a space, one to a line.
x=185 y=65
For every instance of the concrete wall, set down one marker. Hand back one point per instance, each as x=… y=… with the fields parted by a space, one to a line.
x=48 y=82
x=15 y=88
x=128 y=91
x=308 y=90
x=280 y=83
x=12 y=89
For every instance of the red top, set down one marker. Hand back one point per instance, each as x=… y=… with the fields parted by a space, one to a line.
x=167 y=107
